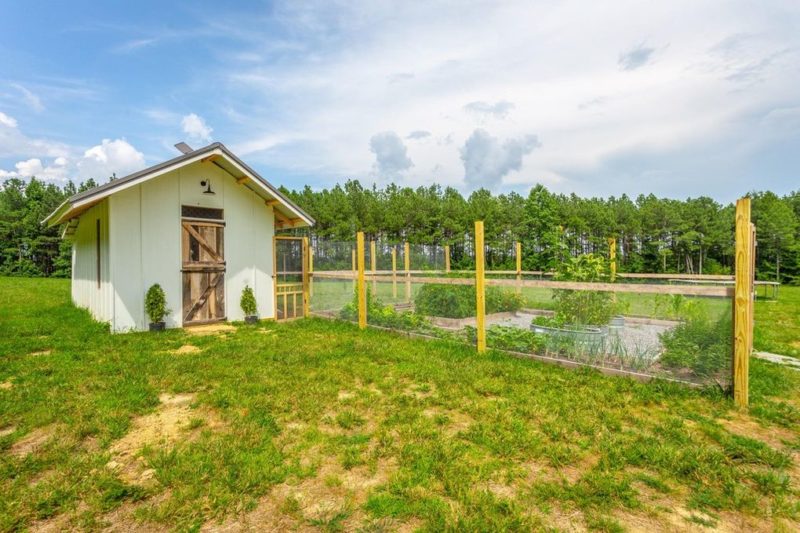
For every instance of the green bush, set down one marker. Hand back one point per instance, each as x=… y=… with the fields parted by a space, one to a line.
x=458 y=301
x=155 y=304
x=583 y=307
x=248 y=302
x=509 y=338
x=386 y=316
x=699 y=344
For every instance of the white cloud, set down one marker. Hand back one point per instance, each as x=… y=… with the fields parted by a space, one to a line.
x=196 y=128
x=378 y=67
x=485 y=109
x=391 y=155
x=8 y=122
x=57 y=171
x=418 y=134
x=487 y=160
x=110 y=157
x=33 y=100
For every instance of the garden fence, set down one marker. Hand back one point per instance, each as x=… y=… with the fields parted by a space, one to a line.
x=690 y=328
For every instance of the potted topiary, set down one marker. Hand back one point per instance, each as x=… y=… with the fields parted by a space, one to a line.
x=248 y=303
x=155 y=304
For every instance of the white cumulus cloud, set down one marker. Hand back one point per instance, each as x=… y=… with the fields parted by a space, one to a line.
x=110 y=157
x=391 y=155
x=196 y=128
x=8 y=122
x=486 y=159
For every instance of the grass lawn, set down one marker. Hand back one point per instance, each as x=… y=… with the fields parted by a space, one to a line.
x=778 y=323
x=316 y=425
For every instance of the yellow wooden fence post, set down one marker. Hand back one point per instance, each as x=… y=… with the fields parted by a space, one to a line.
x=407 y=261
x=394 y=272
x=310 y=271
x=447 y=258
x=612 y=257
x=518 y=252
x=480 y=299
x=743 y=304
x=362 y=288
x=373 y=260
x=306 y=279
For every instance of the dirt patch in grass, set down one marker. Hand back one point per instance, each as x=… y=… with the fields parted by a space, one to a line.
x=210 y=329
x=41 y=352
x=453 y=421
x=186 y=349
x=298 y=505
x=572 y=473
x=173 y=420
x=8 y=430
x=33 y=441
x=562 y=519
x=745 y=426
x=6 y=385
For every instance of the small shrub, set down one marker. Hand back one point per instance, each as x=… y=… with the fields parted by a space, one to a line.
x=248 y=302
x=509 y=338
x=583 y=307
x=458 y=301
x=386 y=316
x=700 y=344
x=155 y=304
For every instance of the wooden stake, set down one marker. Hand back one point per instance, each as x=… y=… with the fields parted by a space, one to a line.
x=447 y=258
x=306 y=278
x=310 y=272
x=743 y=304
x=480 y=300
x=373 y=267
x=518 y=252
x=612 y=257
x=407 y=261
x=362 y=287
x=394 y=272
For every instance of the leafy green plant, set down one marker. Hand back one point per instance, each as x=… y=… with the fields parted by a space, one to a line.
x=508 y=338
x=699 y=344
x=386 y=316
x=155 y=304
x=248 y=301
x=458 y=301
x=583 y=307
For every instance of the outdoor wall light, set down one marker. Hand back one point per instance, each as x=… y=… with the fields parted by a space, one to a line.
x=207 y=185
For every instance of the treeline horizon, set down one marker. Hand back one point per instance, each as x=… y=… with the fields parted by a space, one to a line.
x=653 y=234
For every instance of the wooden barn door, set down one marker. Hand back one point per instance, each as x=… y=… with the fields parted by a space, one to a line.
x=203 y=272
x=291 y=277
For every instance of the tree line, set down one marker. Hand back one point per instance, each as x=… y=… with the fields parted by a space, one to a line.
x=653 y=234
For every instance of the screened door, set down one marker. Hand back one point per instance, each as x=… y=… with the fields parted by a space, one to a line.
x=291 y=277
x=203 y=272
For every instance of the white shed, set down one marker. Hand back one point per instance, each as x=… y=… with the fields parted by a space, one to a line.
x=201 y=225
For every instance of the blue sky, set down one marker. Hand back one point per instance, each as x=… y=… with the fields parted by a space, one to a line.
x=679 y=98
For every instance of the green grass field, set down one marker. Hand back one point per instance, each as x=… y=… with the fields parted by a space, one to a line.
x=314 y=424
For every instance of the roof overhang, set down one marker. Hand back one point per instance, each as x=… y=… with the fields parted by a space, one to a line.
x=288 y=214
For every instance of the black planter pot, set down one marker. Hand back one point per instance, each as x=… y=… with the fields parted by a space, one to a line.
x=251 y=319
x=157 y=326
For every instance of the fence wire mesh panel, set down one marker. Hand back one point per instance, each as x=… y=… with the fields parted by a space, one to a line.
x=288 y=277
x=582 y=312
x=332 y=280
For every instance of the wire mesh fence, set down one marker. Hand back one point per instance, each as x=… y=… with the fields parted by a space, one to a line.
x=672 y=326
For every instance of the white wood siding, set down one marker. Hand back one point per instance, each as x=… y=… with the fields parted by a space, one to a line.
x=85 y=291
x=145 y=223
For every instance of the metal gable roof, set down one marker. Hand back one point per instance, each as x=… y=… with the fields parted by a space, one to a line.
x=78 y=203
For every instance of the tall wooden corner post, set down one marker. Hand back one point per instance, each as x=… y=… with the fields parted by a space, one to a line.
x=362 y=286
x=394 y=272
x=407 y=265
x=518 y=256
x=743 y=303
x=612 y=258
x=306 y=278
x=480 y=296
x=446 y=258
